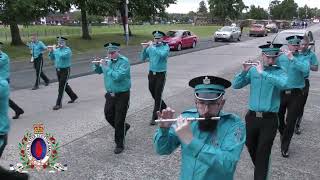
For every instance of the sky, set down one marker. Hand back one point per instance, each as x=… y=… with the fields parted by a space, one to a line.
x=184 y=6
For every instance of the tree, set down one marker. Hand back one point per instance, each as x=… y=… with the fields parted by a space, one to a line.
x=14 y=12
x=306 y=12
x=226 y=8
x=146 y=10
x=257 y=13
x=287 y=9
x=90 y=7
x=191 y=15
x=202 y=8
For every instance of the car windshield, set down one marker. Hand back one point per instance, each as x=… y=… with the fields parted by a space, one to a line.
x=174 y=33
x=281 y=37
x=226 y=28
x=256 y=26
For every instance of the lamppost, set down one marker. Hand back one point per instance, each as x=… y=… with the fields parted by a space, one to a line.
x=126 y=22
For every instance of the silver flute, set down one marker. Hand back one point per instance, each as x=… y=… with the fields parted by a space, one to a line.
x=250 y=63
x=188 y=119
x=98 y=60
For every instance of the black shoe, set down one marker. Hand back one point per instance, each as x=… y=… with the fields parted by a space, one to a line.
x=153 y=122
x=72 y=100
x=18 y=114
x=127 y=128
x=8 y=174
x=47 y=83
x=297 y=130
x=56 y=107
x=118 y=150
x=285 y=154
x=35 y=87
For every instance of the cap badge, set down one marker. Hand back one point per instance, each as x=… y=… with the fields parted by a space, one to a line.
x=206 y=80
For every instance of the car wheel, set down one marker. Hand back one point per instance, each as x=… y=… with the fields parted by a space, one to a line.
x=194 y=44
x=231 y=38
x=179 y=47
x=239 y=38
x=215 y=40
x=266 y=34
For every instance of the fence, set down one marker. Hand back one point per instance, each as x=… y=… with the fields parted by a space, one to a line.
x=25 y=33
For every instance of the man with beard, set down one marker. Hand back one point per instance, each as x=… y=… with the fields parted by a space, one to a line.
x=157 y=52
x=310 y=57
x=266 y=81
x=210 y=148
x=291 y=97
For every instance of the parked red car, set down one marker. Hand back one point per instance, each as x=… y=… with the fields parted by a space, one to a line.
x=258 y=30
x=178 y=39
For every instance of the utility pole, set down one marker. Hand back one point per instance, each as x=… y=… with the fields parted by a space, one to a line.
x=306 y=12
x=126 y=21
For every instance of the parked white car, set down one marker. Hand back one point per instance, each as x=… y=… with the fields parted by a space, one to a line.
x=227 y=33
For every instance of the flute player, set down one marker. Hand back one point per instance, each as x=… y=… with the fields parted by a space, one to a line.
x=266 y=81
x=210 y=149
x=61 y=56
x=117 y=82
x=37 y=48
x=157 y=52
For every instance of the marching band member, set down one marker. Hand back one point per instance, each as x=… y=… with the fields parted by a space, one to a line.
x=37 y=48
x=4 y=120
x=5 y=125
x=5 y=74
x=314 y=63
x=62 y=61
x=210 y=149
x=291 y=97
x=157 y=52
x=266 y=81
x=117 y=81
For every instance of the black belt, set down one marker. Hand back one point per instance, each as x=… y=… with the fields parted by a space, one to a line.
x=293 y=91
x=263 y=114
x=155 y=73
x=112 y=94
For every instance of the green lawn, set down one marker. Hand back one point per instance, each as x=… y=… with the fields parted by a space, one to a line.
x=100 y=35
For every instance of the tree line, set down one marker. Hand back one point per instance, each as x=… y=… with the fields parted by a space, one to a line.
x=14 y=12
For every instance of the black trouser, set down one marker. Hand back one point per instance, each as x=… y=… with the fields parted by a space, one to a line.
x=13 y=105
x=291 y=101
x=115 y=111
x=63 y=76
x=261 y=132
x=38 y=64
x=4 y=139
x=305 y=92
x=156 y=86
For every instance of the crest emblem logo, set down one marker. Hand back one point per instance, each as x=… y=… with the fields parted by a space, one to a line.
x=206 y=80
x=38 y=151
